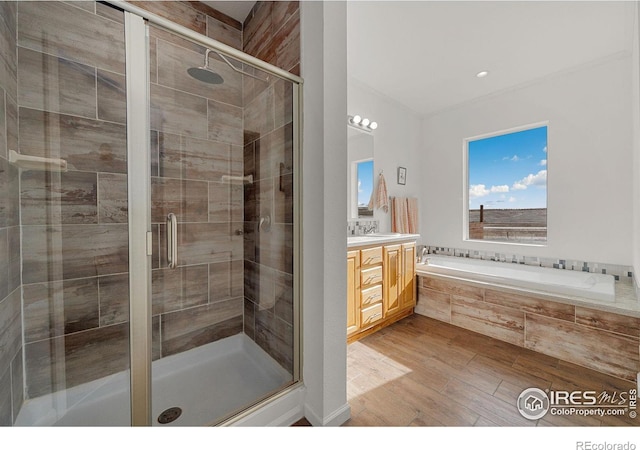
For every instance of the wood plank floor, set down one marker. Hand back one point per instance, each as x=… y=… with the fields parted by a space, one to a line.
x=423 y=372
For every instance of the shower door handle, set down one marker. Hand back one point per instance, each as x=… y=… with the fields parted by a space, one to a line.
x=172 y=241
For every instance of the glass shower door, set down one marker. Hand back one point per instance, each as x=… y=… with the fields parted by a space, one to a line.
x=70 y=157
x=214 y=271
x=222 y=221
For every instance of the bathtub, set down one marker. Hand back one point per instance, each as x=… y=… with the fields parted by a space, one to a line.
x=585 y=285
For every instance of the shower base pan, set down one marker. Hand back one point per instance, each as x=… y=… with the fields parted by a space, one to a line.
x=206 y=384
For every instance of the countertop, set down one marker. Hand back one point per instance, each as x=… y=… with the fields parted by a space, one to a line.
x=379 y=238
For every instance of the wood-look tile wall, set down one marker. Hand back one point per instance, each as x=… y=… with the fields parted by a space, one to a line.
x=72 y=105
x=600 y=340
x=11 y=397
x=271 y=33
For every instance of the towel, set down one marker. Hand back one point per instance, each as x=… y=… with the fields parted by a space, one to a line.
x=404 y=215
x=379 y=197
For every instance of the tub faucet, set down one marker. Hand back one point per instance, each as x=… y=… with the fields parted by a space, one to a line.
x=422 y=255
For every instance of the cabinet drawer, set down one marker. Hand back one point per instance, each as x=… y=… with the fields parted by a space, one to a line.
x=371 y=295
x=371 y=276
x=371 y=256
x=371 y=314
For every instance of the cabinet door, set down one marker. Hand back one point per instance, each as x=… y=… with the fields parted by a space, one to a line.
x=408 y=296
x=391 y=282
x=353 y=292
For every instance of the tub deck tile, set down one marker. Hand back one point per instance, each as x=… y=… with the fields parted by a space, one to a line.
x=500 y=322
x=434 y=304
x=617 y=323
x=531 y=304
x=597 y=349
x=453 y=288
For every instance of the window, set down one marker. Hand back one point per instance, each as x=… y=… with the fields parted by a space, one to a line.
x=507 y=186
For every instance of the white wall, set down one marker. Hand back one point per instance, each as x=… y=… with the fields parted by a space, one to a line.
x=397 y=141
x=324 y=205
x=590 y=178
x=636 y=146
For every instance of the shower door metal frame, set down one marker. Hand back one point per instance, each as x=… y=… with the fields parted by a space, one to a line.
x=139 y=197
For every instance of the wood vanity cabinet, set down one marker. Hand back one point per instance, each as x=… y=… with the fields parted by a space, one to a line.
x=381 y=287
x=408 y=298
x=353 y=292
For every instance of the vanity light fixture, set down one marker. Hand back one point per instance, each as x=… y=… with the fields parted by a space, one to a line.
x=362 y=123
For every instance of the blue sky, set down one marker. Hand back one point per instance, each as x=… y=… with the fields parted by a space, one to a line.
x=365 y=182
x=509 y=171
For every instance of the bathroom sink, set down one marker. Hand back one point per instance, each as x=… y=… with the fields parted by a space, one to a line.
x=359 y=238
x=379 y=237
x=371 y=237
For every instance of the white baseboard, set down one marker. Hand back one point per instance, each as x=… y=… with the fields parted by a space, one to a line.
x=335 y=419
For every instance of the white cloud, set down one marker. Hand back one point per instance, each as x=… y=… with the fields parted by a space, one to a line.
x=480 y=190
x=545 y=149
x=359 y=186
x=514 y=158
x=512 y=199
x=543 y=162
x=539 y=179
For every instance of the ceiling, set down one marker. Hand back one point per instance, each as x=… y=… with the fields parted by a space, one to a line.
x=425 y=54
x=238 y=9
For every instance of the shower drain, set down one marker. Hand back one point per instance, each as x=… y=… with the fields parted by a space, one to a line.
x=169 y=415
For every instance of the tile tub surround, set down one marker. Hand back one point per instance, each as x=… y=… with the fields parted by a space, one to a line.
x=621 y=273
x=601 y=340
x=11 y=368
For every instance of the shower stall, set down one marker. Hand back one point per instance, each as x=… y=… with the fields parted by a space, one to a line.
x=149 y=221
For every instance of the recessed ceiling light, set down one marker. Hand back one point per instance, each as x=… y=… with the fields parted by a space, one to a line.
x=482 y=74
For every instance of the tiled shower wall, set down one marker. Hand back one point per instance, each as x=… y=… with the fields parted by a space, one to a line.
x=271 y=33
x=74 y=224
x=198 y=131
x=11 y=369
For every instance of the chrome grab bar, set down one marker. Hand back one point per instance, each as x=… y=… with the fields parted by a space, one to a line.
x=172 y=241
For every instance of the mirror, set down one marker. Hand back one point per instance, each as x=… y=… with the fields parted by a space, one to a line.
x=360 y=180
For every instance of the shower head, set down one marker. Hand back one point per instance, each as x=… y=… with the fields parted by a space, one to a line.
x=205 y=75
